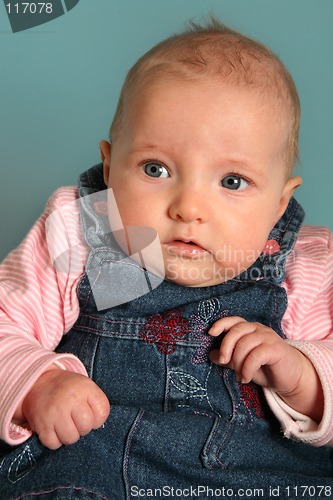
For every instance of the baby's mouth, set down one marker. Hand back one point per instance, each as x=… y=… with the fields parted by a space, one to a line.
x=185 y=248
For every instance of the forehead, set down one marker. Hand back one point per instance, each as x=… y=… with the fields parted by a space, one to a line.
x=205 y=117
x=208 y=98
x=224 y=55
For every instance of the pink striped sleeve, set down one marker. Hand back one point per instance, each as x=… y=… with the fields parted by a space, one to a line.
x=38 y=304
x=308 y=325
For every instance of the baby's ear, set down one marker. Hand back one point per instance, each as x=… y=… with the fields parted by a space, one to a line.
x=105 y=150
x=289 y=189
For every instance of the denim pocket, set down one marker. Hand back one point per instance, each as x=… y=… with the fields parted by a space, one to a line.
x=164 y=449
x=261 y=449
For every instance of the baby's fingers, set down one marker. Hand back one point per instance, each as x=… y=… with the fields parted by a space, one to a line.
x=237 y=329
x=253 y=362
x=63 y=432
x=224 y=325
x=83 y=419
x=100 y=407
x=49 y=438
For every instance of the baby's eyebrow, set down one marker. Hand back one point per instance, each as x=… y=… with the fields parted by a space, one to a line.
x=237 y=163
x=138 y=148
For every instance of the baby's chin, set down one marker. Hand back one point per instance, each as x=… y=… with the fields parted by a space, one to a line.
x=203 y=276
x=194 y=280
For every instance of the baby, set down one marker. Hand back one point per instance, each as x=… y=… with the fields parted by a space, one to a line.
x=203 y=370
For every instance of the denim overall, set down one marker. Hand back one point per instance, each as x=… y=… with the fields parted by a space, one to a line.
x=179 y=426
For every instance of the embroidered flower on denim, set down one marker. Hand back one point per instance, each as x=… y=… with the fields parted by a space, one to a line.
x=271 y=247
x=250 y=397
x=166 y=330
x=208 y=312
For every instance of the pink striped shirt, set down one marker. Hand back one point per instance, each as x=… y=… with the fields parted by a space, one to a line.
x=38 y=305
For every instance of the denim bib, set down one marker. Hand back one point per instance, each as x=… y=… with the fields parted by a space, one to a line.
x=177 y=420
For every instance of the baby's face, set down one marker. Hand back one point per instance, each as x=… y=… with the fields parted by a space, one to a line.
x=202 y=164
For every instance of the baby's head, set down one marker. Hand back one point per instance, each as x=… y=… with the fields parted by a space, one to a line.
x=201 y=149
x=217 y=52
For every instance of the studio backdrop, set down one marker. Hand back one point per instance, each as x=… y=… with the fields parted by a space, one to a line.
x=63 y=63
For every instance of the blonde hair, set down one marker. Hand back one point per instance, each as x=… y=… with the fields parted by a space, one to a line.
x=217 y=51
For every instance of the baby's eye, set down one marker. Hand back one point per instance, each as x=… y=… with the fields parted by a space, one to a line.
x=234 y=182
x=153 y=169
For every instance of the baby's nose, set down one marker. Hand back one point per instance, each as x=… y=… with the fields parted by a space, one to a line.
x=188 y=205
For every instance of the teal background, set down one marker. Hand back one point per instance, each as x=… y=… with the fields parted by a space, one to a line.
x=60 y=83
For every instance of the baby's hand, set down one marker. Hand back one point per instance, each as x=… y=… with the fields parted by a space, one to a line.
x=62 y=406
x=255 y=352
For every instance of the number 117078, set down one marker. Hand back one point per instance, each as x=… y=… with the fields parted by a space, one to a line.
x=29 y=8
x=309 y=491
